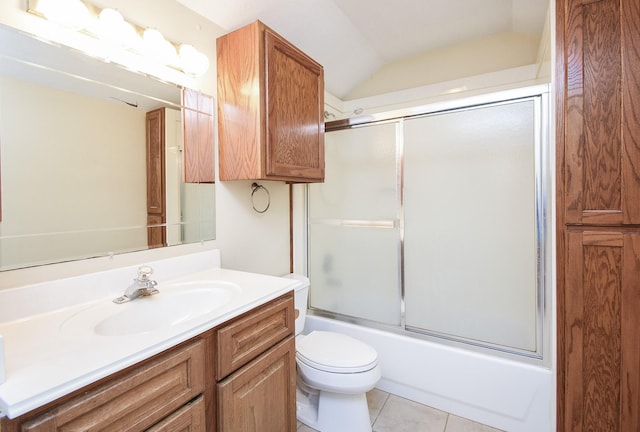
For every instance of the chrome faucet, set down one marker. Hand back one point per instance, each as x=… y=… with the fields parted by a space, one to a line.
x=141 y=286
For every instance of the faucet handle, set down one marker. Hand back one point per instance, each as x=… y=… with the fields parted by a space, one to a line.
x=144 y=272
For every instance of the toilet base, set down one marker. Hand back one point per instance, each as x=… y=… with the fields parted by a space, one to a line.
x=333 y=412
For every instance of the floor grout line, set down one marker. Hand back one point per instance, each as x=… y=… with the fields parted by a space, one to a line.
x=446 y=423
x=386 y=399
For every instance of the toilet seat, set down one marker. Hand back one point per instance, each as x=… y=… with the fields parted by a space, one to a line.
x=335 y=353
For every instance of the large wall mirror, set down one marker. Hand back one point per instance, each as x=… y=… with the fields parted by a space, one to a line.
x=73 y=142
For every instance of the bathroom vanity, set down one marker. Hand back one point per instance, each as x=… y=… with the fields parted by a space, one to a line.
x=229 y=369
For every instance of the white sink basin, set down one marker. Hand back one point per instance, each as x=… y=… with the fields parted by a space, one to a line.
x=175 y=304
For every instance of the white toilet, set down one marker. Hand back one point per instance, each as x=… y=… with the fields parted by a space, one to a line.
x=334 y=373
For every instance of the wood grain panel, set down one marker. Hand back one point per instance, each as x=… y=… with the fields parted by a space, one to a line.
x=574 y=115
x=261 y=396
x=270 y=108
x=572 y=403
x=250 y=335
x=594 y=113
x=190 y=99
x=602 y=105
x=156 y=231
x=197 y=123
x=630 y=376
x=240 y=108
x=190 y=418
x=155 y=162
x=560 y=99
x=156 y=179
x=598 y=186
x=190 y=150
x=206 y=158
x=295 y=112
x=593 y=336
x=602 y=368
x=602 y=238
x=134 y=401
x=630 y=23
x=601 y=339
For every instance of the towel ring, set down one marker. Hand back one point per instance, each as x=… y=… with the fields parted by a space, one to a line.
x=255 y=187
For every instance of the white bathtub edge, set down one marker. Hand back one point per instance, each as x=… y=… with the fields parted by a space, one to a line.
x=504 y=394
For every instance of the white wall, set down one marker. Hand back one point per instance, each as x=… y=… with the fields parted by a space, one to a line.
x=479 y=56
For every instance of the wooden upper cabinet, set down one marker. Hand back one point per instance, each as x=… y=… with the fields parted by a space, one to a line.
x=197 y=121
x=602 y=111
x=270 y=108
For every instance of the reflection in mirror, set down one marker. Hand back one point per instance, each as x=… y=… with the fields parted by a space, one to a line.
x=74 y=178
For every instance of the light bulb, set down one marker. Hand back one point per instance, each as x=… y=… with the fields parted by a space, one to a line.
x=71 y=14
x=158 y=47
x=193 y=62
x=111 y=19
x=115 y=30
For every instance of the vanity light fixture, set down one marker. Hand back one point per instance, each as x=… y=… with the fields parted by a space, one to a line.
x=70 y=14
x=110 y=27
x=193 y=62
x=158 y=48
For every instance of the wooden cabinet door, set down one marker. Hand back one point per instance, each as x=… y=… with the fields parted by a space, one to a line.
x=601 y=381
x=156 y=184
x=602 y=113
x=197 y=119
x=270 y=108
x=261 y=397
x=295 y=111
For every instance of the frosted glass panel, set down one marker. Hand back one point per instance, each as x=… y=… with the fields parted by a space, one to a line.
x=354 y=239
x=354 y=271
x=360 y=175
x=470 y=250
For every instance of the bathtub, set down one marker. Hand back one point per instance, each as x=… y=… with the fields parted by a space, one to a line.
x=502 y=393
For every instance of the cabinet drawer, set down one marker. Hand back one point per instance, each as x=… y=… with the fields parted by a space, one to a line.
x=135 y=400
x=189 y=418
x=252 y=334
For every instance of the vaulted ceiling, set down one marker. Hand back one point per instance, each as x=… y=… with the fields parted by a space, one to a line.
x=354 y=38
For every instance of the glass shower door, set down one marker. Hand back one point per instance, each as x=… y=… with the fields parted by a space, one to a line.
x=470 y=250
x=354 y=235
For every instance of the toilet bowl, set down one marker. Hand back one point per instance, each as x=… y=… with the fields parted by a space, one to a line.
x=334 y=372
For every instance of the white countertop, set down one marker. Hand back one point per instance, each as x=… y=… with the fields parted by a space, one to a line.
x=45 y=360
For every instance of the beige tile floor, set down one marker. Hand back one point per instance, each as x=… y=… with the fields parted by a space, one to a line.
x=391 y=413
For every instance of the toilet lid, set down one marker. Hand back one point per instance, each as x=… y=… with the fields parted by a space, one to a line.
x=335 y=352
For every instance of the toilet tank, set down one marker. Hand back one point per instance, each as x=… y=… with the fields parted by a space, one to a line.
x=300 y=297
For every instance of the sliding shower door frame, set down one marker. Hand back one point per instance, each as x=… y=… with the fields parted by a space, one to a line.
x=539 y=94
